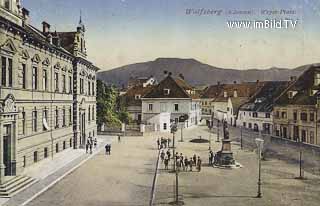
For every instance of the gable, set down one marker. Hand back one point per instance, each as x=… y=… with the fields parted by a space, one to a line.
x=36 y=58
x=168 y=83
x=9 y=47
x=46 y=62
x=25 y=55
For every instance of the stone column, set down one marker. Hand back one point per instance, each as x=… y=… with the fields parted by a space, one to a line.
x=2 y=166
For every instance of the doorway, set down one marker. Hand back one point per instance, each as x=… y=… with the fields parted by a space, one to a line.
x=7 y=149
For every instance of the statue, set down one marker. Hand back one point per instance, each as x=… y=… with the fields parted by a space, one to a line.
x=225 y=130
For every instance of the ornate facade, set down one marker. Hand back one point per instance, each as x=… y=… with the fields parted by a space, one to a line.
x=47 y=91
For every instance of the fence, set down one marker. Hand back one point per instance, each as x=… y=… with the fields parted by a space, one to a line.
x=280 y=148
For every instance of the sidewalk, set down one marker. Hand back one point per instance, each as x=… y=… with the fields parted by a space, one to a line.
x=50 y=171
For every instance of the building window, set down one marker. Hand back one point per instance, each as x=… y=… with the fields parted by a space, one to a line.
x=93 y=113
x=244 y=124
x=137 y=96
x=150 y=107
x=45 y=152
x=63 y=117
x=64 y=145
x=283 y=115
x=45 y=119
x=295 y=116
x=7 y=4
x=24 y=71
x=70 y=116
x=303 y=135
x=89 y=114
x=57 y=147
x=89 y=88
x=93 y=92
x=56 y=80
x=34 y=78
x=23 y=121
x=311 y=117
x=56 y=118
x=267 y=115
x=70 y=142
x=6 y=70
x=70 y=84
x=311 y=137
x=166 y=91
x=250 y=125
x=255 y=114
x=81 y=86
x=45 y=80
x=64 y=89
x=303 y=116
x=35 y=156
x=176 y=107
x=163 y=107
x=34 y=121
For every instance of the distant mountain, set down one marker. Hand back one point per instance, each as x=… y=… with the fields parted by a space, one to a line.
x=194 y=72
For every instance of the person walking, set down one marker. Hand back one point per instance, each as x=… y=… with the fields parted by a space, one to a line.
x=158 y=143
x=210 y=157
x=186 y=163
x=109 y=149
x=87 y=147
x=166 y=162
x=119 y=139
x=168 y=154
x=194 y=159
x=162 y=155
x=199 y=162
x=90 y=148
x=106 y=148
x=191 y=163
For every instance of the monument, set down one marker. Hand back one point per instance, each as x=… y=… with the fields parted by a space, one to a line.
x=224 y=157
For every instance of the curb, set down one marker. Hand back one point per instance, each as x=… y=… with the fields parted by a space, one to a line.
x=61 y=177
x=152 y=196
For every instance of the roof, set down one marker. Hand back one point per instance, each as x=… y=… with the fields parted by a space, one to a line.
x=212 y=91
x=263 y=101
x=307 y=90
x=67 y=40
x=175 y=86
x=237 y=102
x=130 y=95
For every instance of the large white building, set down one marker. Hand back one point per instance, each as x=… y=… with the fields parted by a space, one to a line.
x=169 y=100
x=47 y=91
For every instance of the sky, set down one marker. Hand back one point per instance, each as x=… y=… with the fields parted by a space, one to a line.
x=121 y=32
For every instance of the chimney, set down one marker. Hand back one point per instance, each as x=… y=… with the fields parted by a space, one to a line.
x=257 y=81
x=25 y=14
x=45 y=27
x=234 y=82
x=218 y=83
x=170 y=73
x=181 y=76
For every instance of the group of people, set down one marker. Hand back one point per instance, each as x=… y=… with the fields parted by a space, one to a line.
x=182 y=162
x=163 y=143
x=90 y=143
x=108 y=149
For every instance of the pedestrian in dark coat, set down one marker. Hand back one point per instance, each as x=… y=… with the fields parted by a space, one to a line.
x=162 y=155
x=90 y=148
x=166 y=162
x=87 y=147
x=186 y=163
x=158 y=142
x=191 y=164
x=199 y=162
x=194 y=159
x=107 y=148
x=95 y=142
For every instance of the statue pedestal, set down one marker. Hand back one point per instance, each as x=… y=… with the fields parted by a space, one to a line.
x=224 y=157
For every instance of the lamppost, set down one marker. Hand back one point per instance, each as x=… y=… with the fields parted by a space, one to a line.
x=218 y=125
x=241 y=145
x=301 y=175
x=210 y=127
x=173 y=131
x=259 y=143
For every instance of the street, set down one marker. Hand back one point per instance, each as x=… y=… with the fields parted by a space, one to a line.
x=126 y=177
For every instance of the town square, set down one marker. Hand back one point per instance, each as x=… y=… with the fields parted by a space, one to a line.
x=137 y=102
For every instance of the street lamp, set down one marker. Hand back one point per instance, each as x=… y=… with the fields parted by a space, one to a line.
x=259 y=143
x=301 y=175
x=210 y=127
x=218 y=140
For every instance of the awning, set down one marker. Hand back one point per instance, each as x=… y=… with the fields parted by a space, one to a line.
x=45 y=124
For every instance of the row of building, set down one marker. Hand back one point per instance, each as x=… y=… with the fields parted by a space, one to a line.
x=47 y=90
x=287 y=109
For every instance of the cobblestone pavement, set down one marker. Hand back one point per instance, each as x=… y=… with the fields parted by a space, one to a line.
x=213 y=186
x=122 y=179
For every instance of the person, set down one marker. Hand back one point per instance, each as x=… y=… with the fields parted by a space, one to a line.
x=169 y=140
x=161 y=142
x=162 y=154
x=168 y=154
x=166 y=162
x=195 y=159
x=87 y=147
x=158 y=142
x=210 y=157
x=182 y=162
x=109 y=149
x=199 y=164
x=191 y=164
x=106 y=147
x=186 y=163
x=90 y=148
x=178 y=164
x=95 y=142
x=119 y=138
